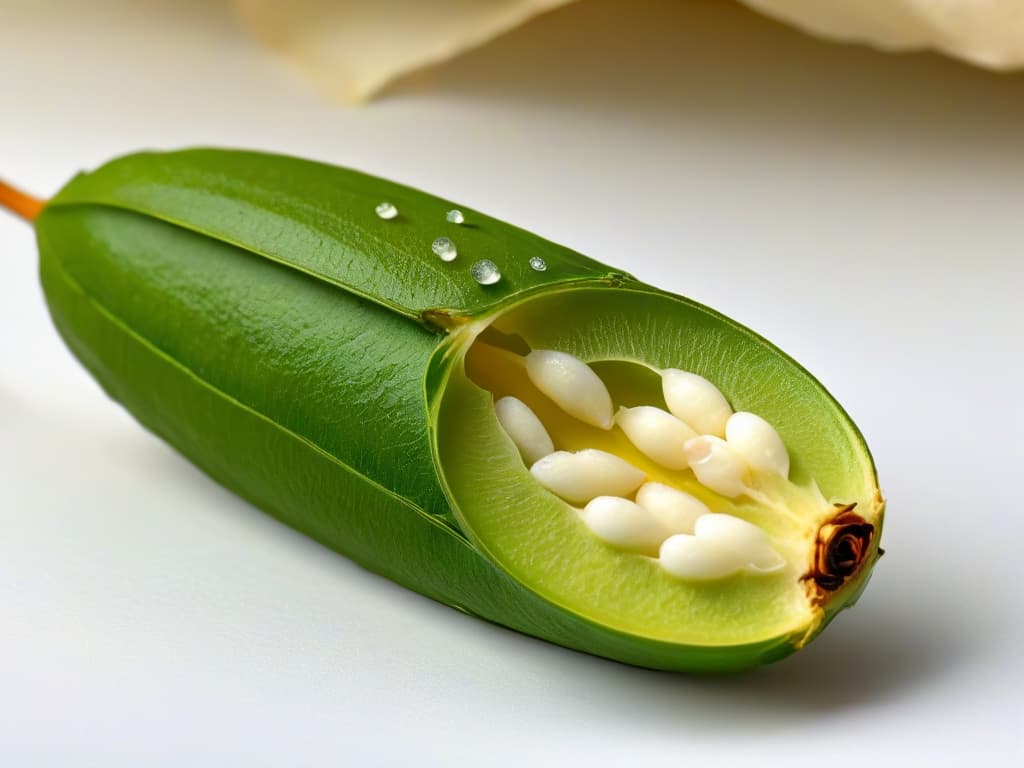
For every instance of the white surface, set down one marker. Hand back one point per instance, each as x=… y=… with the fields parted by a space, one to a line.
x=863 y=211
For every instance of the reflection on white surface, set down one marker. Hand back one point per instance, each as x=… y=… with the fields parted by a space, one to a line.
x=862 y=211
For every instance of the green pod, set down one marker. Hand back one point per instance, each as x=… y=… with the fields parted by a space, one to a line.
x=322 y=362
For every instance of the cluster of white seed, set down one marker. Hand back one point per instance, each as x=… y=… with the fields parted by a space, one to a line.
x=699 y=432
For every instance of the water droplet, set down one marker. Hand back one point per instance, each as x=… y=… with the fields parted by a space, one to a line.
x=537 y=264
x=386 y=210
x=445 y=249
x=485 y=272
x=455 y=216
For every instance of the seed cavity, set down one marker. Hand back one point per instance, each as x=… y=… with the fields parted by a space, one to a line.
x=676 y=511
x=454 y=216
x=386 y=210
x=717 y=466
x=537 y=264
x=585 y=475
x=757 y=443
x=485 y=272
x=696 y=401
x=624 y=524
x=657 y=434
x=444 y=248
x=572 y=385
x=700 y=438
x=524 y=428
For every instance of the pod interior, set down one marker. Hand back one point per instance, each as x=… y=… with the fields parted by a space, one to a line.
x=628 y=336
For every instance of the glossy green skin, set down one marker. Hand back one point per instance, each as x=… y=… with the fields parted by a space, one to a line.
x=254 y=312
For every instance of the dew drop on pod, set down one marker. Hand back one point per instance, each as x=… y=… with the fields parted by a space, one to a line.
x=513 y=446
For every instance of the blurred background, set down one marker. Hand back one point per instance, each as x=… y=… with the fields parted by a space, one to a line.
x=862 y=210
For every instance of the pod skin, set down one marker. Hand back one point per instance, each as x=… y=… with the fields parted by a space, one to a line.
x=256 y=313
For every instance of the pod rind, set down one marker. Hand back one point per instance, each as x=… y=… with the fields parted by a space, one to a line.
x=321 y=220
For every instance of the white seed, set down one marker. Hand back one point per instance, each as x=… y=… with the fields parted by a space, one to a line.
x=582 y=476
x=696 y=401
x=572 y=385
x=716 y=465
x=676 y=510
x=730 y=530
x=746 y=539
x=656 y=433
x=766 y=561
x=689 y=557
x=757 y=442
x=526 y=430
x=623 y=524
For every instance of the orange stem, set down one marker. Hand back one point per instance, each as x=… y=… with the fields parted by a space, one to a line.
x=19 y=202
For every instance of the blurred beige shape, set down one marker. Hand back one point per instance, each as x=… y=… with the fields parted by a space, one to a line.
x=989 y=33
x=353 y=49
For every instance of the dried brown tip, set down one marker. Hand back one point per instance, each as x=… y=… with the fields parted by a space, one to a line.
x=842 y=545
x=20 y=203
